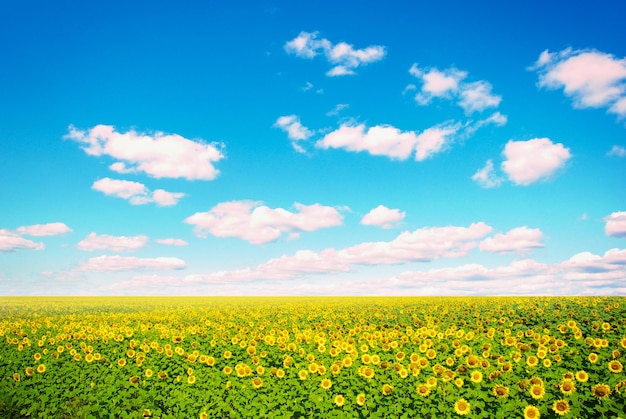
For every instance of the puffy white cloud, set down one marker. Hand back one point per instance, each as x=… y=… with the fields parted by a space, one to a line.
x=11 y=241
x=389 y=141
x=472 y=97
x=172 y=242
x=617 y=151
x=421 y=245
x=590 y=78
x=106 y=263
x=486 y=177
x=530 y=161
x=343 y=56
x=616 y=224
x=383 y=217
x=260 y=224
x=519 y=239
x=613 y=260
x=136 y=193
x=158 y=155
x=295 y=130
x=477 y=96
x=50 y=229
x=94 y=241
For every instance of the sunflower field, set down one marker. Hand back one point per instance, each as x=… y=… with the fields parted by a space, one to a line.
x=313 y=357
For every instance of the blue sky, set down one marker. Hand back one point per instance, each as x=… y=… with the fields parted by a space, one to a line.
x=281 y=148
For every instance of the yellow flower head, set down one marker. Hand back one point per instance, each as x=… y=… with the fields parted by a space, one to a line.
x=41 y=368
x=360 y=399
x=423 y=390
x=537 y=391
x=339 y=400
x=531 y=412
x=326 y=384
x=387 y=389
x=615 y=366
x=561 y=407
x=601 y=391
x=501 y=391
x=257 y=382
x=567 y=387
x=476 y=376
x=462 y=407
x=582 y=376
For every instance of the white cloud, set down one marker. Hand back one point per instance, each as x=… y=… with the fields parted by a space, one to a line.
x=617 y=151
x=106 y=263
x=477 y=96
x=486 y=177
x=590 y=78
x=260 y=224
x=448 y=84
x=10 y=242
x=158 y=155
x=114 y=243
x=616 y=224
x=172 y=242
x=421 y=245
x=136 y=193
x=519 y=239
x=383 y=217
x=50 y=229
x=343 y=56
x=338 y=108
x=295 y=130
x=389 y=141
x=530 y=161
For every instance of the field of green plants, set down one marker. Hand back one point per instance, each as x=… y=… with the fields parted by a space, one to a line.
x=353 y=357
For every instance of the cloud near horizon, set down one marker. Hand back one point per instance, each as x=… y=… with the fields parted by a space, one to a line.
x=115 y=263
x=158 y=155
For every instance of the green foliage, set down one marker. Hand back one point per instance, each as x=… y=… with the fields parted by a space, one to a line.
x=311 y=357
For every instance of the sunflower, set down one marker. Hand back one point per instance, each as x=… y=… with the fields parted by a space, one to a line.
x=339 y=400
x=41 y=368
x=582 y=376
x=567 y=387
x=462 y=407
x=227 y=370
x=501 y=391
x=459 y=382
x=134 y=379
x=29 y=371
x=532 y=361
x=476 y=376
x=121 y=362
x=593 y=357
x=615 y=366
x=191 y=379
x=387 y=389
x=303 y=374
x=257 y=382
x=360 y=399
x=531 y=412
x=203 y=415
x=561 y=407
x=280 y=373
x=423 y=390
x=149 y=373
x=601 y=391
x=537 y=391
x=326 y=384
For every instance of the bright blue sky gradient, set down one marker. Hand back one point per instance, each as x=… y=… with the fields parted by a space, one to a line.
x=435 y=93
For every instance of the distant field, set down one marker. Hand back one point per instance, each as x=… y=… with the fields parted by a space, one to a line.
x=312 y=357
